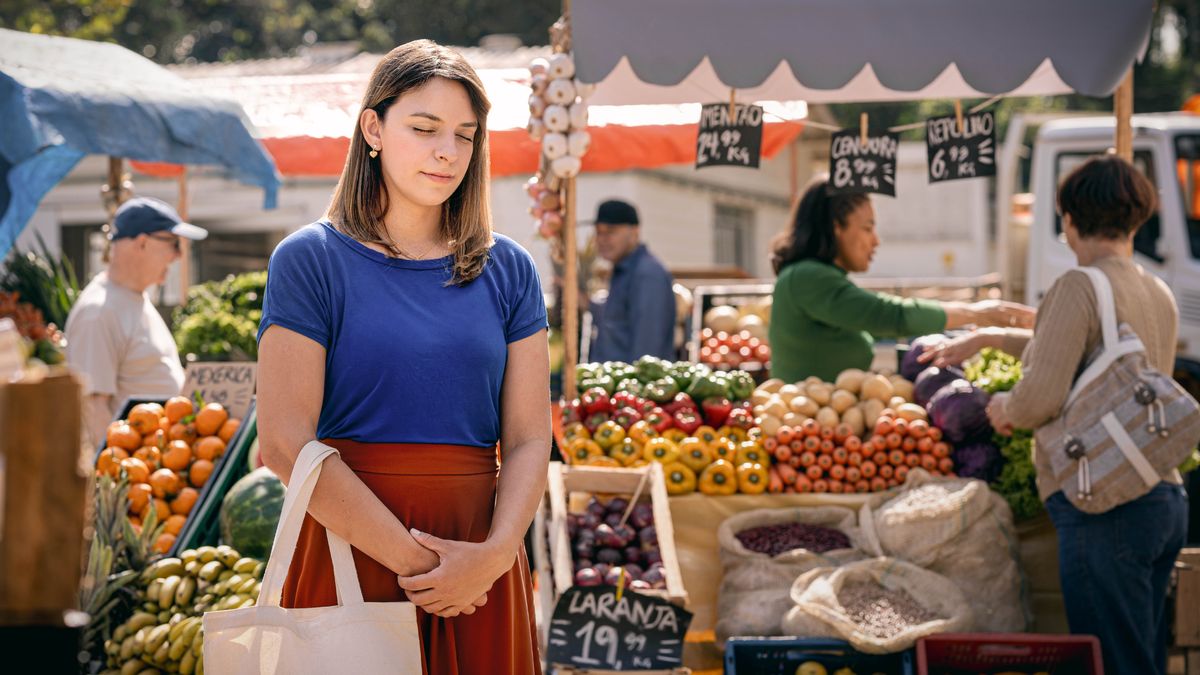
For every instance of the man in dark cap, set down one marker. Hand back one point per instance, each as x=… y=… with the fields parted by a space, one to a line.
x=116 y=338
x=638 y=319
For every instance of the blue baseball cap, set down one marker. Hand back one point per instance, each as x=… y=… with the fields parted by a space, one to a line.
x=146 y=215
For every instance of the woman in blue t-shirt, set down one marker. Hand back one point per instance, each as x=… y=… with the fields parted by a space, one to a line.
x=401 y=331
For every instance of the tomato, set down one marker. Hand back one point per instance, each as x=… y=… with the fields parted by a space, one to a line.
x=869 y=469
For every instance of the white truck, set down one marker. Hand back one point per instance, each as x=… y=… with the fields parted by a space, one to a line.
x=1032 y=250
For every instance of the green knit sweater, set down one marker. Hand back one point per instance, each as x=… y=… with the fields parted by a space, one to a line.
x=822 y=323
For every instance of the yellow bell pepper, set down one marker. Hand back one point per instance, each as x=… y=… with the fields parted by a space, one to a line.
x=706 y=434
x=695 y=453
x=626 y=451
x=753 y=453
x=680 y=479
x=752 y=478
x=660 y=450
x=735 y=434
x=575 y=430
x=723 y=448
x=719 y=478
x=608 y=434
x=641 y=432
x=603 y=460
x=675 y=435
x=580 y=449
x=755 y=434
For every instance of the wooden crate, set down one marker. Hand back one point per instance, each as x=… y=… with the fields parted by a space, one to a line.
x=44 y=482
x=1187 y=600
x=569 y=486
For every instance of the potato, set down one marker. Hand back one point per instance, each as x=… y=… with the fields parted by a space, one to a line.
x=870 y=410
x=759 y=410
x=820 y=392
x=901 y=387
x=827 y=417
x=877 y=387
x=811 y=380
x=911 y=411
x=804 y=405
x=776 y=407
x=842 y=400
x=895 y=402
x=760 y=397
x=772 y=385
x=793 y=419
x=769 y=425
x=851 y=380
x=788 y=392
x=854 y=419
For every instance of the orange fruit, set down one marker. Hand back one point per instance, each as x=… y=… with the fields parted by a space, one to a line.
x=177 y=456
x=185 y=501
x=177 y=408
x=157 y=438
x=182 y=432
x=136 y=469
x=109 y=461
x=139 y=497
x=136 y=522
x=210 y=418
x=144 y=418
x=150 y=455
x=165 y=483
x=121 y=435
x=228 y=429
x=210 y=448
x=162 y=510
x=164 y=542
x=199 y=473
x=164 y=424
x=174 y=524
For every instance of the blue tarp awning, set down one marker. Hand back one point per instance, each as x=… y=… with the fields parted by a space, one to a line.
x=62 y=98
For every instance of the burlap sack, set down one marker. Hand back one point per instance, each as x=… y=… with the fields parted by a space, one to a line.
x=816 y=595
x=961 y=529
x=754 y=590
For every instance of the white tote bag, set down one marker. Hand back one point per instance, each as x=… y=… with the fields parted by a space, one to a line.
x=353 y=637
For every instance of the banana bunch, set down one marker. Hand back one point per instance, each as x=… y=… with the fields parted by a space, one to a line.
x=164 y=634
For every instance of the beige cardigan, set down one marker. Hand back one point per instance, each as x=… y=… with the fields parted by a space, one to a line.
x=1068 y=329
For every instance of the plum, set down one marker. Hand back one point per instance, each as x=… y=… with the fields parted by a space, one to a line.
x=642 y=515
x=612 y=519
x=596 y=508
x=648 y=535
x=610 y=556
x=639 y=585
x=655 y=577
x=602 y=569
x=613 y=576
x=607 y=536
x=652 y=557
x=626 y=533
x=618 y=505
x=572 y=526
x=588 y=576
x=584 y=549
x=590 y=521
x=633 y=571
x=633 y=554
x=582 y=563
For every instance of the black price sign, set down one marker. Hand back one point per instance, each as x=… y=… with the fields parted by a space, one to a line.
x=855 y=166
x=966 y=153
x=729 y=141
x=229 y=383
x=592 y=629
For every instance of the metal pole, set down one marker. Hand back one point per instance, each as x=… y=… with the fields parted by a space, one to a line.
x=1123 y=108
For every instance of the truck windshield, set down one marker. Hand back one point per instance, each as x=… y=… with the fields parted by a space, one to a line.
x=1187 y=163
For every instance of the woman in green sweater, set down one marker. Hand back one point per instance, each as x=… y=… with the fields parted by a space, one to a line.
x=821 y=322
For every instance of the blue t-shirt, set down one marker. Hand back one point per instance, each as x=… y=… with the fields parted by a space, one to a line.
x=408 y=358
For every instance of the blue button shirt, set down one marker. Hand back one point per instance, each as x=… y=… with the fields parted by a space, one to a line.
x=638 y=319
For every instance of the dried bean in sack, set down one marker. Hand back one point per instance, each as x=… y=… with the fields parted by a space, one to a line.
x=880 y=606
x=753 y=596
x=961 y=529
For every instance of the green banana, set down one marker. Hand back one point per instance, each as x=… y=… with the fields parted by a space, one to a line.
x=185 y=592
x=157 y=636
x=210 y=570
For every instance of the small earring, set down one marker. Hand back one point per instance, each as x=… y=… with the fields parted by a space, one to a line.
x=374 y=153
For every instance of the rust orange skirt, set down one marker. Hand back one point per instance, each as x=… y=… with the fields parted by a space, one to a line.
x=448 y=491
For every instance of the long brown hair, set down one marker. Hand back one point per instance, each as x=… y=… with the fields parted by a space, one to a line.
x=814 y=219
x=360 y=199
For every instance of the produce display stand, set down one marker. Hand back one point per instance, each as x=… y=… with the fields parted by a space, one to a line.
x=751 y=656
x=1079 y=654
x=45 y=488
x=706 y=297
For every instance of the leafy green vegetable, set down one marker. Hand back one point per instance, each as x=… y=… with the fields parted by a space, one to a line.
x=219 y=321
x=1017 y=482
x=994 y=370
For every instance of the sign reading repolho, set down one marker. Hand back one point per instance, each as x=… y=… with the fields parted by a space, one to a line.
x=954 y=153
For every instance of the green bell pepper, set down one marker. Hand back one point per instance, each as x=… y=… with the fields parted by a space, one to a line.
x=707 y=386
x=741 y=385
x=603 y=381
x=632 y=386
x=650 y=368
x=661 y=390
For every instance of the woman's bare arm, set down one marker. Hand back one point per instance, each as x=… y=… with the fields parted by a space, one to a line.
x=291 y=384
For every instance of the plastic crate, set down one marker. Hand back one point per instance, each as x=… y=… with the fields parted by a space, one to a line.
x=233 y=459
x=985 y=653
x=783 y=655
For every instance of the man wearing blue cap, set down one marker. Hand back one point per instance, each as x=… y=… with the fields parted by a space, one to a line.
x=638 y=318
x=116 y=338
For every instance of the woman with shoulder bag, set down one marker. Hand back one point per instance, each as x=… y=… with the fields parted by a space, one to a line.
x=1121 y=523
x=403 y=333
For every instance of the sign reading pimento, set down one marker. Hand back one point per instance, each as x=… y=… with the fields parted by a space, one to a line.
x=855 y=166
x=726 y=140
x=594 y=628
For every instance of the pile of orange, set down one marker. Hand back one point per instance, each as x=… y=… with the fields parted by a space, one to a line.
x=168 y=453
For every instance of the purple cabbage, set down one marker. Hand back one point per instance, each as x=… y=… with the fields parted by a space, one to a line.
x=910 y=368
x=931 y=380
x=959 y=409
x=980 y=459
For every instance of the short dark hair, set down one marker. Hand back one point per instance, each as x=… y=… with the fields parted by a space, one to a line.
x=1107 y=198
x=814 y=219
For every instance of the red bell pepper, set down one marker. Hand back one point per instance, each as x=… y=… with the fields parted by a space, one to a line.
x=659 y=419
x=571 y=412
x=688 y=420
x=623 y=399
x=681 y=402
x=740 y=418
x=627 y=417
x=595 y=400
x=593 y=421
x=645 y=406
x=716 y=410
